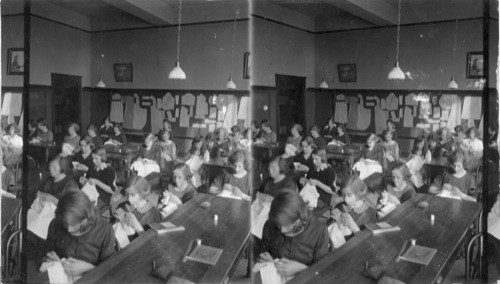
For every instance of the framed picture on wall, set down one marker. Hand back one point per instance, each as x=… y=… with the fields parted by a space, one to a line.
x=247 y=66
x=347 y=72
x=123 y=72
x=475 y=63
x=15 y=61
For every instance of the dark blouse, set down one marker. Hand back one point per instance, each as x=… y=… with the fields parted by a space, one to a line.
x=106 y=132
x=107 y=176
x=330 y=133
x=58 y=189
x=120 y=137
x=78 y=157
x=320 y=142
x=184 y=195
x=307 y=247
x=326 y=176
x=33 y=135
x=466 y=184
x=150 y=216
x=94 y=247
x=272 y=188
x=97 y=141
x=269 y=138
x=306 y=162
x=376 y=154
x=403 y=195
x=344 y=138
x=242 y=183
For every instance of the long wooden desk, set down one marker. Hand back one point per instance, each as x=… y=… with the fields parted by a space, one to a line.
x=231 y=233
x=448 y=234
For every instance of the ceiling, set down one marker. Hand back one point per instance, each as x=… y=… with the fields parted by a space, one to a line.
x=326 y=14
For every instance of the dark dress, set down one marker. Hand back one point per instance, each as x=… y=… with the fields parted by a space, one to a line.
x=306 y=162
x=242 y=183
x=376 y=154
x=106 y=132
x=307 y=247
x=58 y=189
x=330 y=133
x=120 y=137
x=403 y=195
x=326 y=176
x=107 y=176
x=272 y=188
x=94 y=247
x=97 y=141
x=153 y=153
x=78 y=157
x=184 y=195
x=344 y=138
x=466 y=184
x=320 y=142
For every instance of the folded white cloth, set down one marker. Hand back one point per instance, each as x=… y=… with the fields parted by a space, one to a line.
x=57 y=275
x=310 y=195
x=91 y=192
x=260 y=214
x=366 y=168
x=39 y=217
x=269 y=274
x=415 y=165
x=145 y=167
x=194 y=163
x=122 y=232
x=336 y=235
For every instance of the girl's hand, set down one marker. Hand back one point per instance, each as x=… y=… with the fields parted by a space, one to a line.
x=83 y=180
x=313 y=182
x=457 y=192
x=92 y=181
x=303 y=180
x=347 y=220
x=265 y=257
x=287 y=267
x=52 y=256
x=132 y=221
x=227 y=187
x=76 y=267
x=237 y=191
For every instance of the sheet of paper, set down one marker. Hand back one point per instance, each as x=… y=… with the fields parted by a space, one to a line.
x=269 y=274
x=445 y=114
x=184 y=117
x=408 y=118
x=201 y=105
x=213 y=112
x=176 y=112
x=57 y=275
x=436 y=113
x=188 y=99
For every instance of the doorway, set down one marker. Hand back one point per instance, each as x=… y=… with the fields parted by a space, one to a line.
x=66 y=102
x=290 y=92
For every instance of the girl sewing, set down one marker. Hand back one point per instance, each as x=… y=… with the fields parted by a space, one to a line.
x=304 y=161
x=83 y=159
x=235 y=184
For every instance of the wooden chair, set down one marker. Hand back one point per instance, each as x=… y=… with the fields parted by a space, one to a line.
x=210 y=172
x=431 y=171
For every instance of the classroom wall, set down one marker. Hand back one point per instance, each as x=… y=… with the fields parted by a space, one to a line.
x=425 y=52
x=12 y=37
x=278 y=49
x=205 y=56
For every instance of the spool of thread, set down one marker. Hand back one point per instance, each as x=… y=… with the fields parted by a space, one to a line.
x=413 y=242
x=198 y=242
x=216 y=218
x=433 y=218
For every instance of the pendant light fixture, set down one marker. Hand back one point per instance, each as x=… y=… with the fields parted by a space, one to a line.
x=101 y=84
x=323 y=84
x=396 y=72
x=230 y=84
x=452 y=84
x=177 y=73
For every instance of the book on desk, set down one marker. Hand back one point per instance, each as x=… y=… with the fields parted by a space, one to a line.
x=205 y=254
x=419 y=254
x=382 y=227
x=166 y=227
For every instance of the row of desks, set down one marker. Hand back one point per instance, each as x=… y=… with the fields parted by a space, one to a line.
x=447 y=234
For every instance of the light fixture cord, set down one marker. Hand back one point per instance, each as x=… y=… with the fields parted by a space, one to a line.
x=399 y=26
x=237 y=13
x=102 y=57
x=455 y=41
x=324 y=51
x=179 y=30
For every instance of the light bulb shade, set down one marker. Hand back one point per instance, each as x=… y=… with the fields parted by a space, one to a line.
x=100 y=84
x=396 y=73
x=323 y=84
x=230 y=84
x=177 y=73
x=452 y=84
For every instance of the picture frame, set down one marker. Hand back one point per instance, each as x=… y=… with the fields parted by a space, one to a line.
x=347 y=72
x=247 y=66
x=475 y=65
x=123 y=72
x=15 y=61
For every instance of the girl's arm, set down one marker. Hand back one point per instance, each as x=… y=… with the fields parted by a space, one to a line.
x=321 y=185
x=174 y=153
x=102 y=185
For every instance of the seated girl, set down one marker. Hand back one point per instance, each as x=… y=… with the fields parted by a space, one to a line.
x=277 y=180
x=341 y=138
x=168 y=147
x=293 y=235
x=77 y=236
x=92 y=132
x=178 y=193
x=32 y=131
x=45 y=136
x=102 y=176
x=303 y=160
x=419 y=155
x=391 y=147
x=358 y=208
x=473 y=149
x=401 y=186
x=330 y=131
x=296 y=136
x=323 y=178
x=73 y=138
x=459 y=184
x=267 y=135
x=319 y=141
x=106 y=131
x=223 y=142
x=118 y=137
x=149 y=159
x=11 y=139
x=59 y=181
x=236 y=184
x=83 y=159
x=447 y=144
x=137 y=212
x=432 y=141
x=459 y=136
x=371 y=158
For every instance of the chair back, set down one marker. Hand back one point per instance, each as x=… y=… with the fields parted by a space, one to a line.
x=210 y=172
x=431 y=171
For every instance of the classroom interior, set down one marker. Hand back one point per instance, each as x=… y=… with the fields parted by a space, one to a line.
x=290 y=62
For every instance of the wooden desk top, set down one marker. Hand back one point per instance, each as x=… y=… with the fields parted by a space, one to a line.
x=10 y=208
x=453 y=219
x=127 y=148
x=134 y=263
x=345 y=150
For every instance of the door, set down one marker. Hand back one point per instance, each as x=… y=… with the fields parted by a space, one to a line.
x=290 y=92
x=66 y=102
